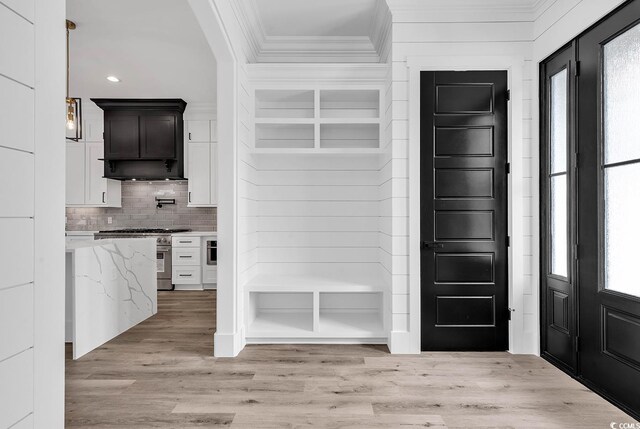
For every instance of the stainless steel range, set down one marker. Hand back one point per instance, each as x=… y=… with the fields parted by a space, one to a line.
x=163 y=240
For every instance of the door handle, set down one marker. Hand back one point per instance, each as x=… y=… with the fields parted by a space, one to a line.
x=430 y=245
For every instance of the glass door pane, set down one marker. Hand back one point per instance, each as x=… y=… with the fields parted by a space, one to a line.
x=621 y=161
x=558 y=115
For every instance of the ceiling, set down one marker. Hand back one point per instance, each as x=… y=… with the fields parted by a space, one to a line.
x=156 y=48
x=316 y=18
x=313 y=30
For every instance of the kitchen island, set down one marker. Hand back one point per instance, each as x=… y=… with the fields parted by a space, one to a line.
x=111 y=286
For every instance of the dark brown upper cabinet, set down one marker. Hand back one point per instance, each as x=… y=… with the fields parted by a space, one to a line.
x=143 y=138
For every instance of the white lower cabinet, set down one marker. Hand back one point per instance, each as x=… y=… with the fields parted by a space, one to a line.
x=85 y=184
x=203 y=174
x=189 y=259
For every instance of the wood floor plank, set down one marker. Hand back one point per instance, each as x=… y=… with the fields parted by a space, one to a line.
x=162 y=374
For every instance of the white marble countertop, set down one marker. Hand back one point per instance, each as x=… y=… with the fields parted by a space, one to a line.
x=74 y=245
x=196 y=234
x=111 y=287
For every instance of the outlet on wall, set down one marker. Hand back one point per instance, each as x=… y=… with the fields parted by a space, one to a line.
x=109 y=220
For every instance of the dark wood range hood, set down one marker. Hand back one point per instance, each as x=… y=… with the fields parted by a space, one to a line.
x=143 y=138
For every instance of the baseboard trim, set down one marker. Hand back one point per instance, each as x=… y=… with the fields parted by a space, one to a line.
x=401 y=343
x=228 y=345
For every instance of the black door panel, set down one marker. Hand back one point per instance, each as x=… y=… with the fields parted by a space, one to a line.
x=464 y=210
x=609 y=320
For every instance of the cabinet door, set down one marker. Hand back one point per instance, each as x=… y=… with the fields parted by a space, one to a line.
x=213 y=131
x=158 y=136
x=199 y=182
x=93 y=129
x=122 y=135
x=198 y=131
x=95 y=184
x=75 y=173
x=213 y=172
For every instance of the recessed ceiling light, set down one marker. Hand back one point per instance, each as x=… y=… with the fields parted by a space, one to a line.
x=113 y=79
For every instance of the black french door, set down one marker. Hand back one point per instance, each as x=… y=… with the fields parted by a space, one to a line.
x=464 y=210
x=602 y=170
x=609 y=205
x=558 y=187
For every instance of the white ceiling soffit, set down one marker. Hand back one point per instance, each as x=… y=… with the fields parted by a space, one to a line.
x=315 y=30
x=156 y=48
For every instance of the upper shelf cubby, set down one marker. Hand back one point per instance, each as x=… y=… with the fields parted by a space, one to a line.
x=356 y=103
x=285 y=104
x=338 y=120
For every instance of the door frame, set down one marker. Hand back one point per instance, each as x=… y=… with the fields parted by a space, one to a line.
x=522 y=339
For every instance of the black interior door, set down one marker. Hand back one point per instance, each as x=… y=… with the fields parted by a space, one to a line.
x=464 y=210
x=608 y=203
x=558 y=188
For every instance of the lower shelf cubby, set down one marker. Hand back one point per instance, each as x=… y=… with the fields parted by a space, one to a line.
x=351 y=315
x=280 y=314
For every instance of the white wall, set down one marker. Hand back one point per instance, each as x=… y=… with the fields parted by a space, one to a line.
x=32 y=213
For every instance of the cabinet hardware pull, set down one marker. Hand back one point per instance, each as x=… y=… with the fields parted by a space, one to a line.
x=186 y=256
x=103 y=197
x=185 y=275
x=189 y=196
x=189 y=136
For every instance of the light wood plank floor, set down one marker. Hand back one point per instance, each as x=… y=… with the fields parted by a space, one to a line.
x=161 y=374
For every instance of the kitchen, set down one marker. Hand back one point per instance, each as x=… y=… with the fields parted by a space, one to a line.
x=151 y=172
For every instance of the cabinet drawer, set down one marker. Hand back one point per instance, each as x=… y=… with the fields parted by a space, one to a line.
x=185 y=242
x=186 y=275
x=209 y=274
x=186 y=256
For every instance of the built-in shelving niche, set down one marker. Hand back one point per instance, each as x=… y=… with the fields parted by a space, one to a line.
x=321 y=315
x=317 y=121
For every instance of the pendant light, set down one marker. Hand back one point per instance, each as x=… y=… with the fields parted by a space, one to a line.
x=74 y=105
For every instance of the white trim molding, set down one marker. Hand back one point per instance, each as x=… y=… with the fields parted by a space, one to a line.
x=228 y=337
x=268 y=48
x=519 y=340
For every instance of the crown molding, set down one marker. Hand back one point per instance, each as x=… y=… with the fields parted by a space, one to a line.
x=249 y=22
x=380 y=33
x=467 y=10
x=352 y=74
x=296 y=49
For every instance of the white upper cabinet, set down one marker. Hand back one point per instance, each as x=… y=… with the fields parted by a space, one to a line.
x=199 y=174
x=197 y=131
x=201 y=155
x=98 y=190
x=213 y=171
x=75 y=173
x=213 y=126
x=86 y=186
x=93 y=130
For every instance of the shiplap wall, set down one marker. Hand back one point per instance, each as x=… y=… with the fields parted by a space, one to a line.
x=317 y=212
x=247 y=187
x=31 y=333
x=391 y=233
x=17 y=163
x=440 y=33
